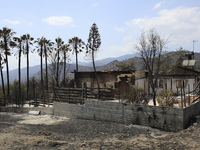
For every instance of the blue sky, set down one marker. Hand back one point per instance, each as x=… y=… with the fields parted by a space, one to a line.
x=120 y=22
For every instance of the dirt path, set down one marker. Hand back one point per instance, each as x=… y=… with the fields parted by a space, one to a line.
x=22 y=132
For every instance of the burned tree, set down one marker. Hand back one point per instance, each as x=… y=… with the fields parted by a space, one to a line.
x=150 y=46
x=93 y=45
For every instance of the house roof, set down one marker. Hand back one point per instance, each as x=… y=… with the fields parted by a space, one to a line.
x=185 y=70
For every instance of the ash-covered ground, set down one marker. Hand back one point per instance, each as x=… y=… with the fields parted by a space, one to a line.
x=36 y=132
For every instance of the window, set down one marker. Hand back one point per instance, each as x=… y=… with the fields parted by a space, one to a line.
x=179 y=83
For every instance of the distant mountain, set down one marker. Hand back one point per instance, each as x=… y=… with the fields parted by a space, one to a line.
x=33 y=71
x=110 y=59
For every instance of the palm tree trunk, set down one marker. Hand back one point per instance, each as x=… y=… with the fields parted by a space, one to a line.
x=76 y=60
x=2 y=81
x=41 y=52
x=19 y=72
x=27 y=50
x=57 y=79
x=96 y=75
x=7 y=69
x=41 y=67
x=64 y=67
x=46 y=68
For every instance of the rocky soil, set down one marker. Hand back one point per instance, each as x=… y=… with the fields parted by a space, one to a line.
x=26 y=132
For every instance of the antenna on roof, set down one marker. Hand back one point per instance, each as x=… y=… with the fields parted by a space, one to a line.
x=193 y=43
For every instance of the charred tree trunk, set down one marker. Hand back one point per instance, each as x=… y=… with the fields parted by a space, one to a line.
x=19 y=73
x=64 y=68
x=96 y=75
x=27 y=50
x=45 y=51
x=7 y=68
x=2 y=81
x=41 y=51
x=76 y=58
x=57 y=79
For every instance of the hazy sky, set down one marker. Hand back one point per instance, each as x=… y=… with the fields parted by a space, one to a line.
x=120 y=22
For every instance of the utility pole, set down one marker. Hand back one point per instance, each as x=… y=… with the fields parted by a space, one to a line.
x=193 y=45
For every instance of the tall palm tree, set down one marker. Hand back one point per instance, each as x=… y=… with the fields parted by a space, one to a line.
x=59 y=44
x=47 y=50
x=76 y=46
x=20 y=45
x=28 y=41
x=6 y=42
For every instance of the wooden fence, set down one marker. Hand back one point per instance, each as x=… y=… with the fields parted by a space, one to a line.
x=78 y=95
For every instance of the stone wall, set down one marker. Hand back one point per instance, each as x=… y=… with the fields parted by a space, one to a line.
x=166 y=118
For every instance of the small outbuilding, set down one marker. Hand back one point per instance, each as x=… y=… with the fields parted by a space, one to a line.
x=116 y=80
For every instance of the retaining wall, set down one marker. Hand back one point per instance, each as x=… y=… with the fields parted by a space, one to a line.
x=166 y=118
x=189 y=114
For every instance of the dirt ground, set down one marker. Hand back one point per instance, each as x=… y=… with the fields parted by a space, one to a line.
x=36 y=132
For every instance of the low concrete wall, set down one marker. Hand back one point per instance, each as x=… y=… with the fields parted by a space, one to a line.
x=44 y=110
x=166 y=118
x=190 y=112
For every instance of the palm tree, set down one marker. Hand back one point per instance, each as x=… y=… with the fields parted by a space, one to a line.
x=76 y=46
x=20 y=45
x=6 y=42
x=28 y=40
x=47 y=49
x=59 y=44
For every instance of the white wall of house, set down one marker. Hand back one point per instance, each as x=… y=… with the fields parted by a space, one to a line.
x=167 y=83
x=189 y=84
x=143 y=83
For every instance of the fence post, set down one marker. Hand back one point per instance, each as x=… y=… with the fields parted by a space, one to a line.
x=68 y=95
x=184 y=94
x=54 y=95
x=99 y=93
x=86 y=92
x=82 y=95
x=188 y=94
x=181 y=98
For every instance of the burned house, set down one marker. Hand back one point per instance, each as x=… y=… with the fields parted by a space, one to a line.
x=118 y=80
